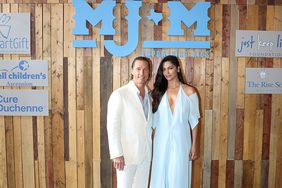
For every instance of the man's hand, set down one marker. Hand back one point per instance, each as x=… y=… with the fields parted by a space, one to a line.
x=119 y=163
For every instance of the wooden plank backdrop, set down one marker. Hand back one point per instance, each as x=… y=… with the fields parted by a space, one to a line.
x=240 y=134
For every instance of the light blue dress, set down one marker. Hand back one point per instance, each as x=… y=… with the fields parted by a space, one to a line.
x=171 y=167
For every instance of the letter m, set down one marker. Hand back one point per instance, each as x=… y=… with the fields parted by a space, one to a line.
x=198 y=14
x=84 y=12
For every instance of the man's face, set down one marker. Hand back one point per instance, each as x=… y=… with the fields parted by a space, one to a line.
x=140 y=72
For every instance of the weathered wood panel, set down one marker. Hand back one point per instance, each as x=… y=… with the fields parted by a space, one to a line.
x=239 y=133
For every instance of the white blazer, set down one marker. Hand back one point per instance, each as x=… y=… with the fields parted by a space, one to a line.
x=129 y=132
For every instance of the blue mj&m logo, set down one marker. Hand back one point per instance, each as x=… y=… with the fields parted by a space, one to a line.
x=104 y=13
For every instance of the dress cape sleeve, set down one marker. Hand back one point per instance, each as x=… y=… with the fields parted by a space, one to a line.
x=194 y=110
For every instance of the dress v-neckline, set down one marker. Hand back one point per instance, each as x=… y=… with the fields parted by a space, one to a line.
x=172 y=112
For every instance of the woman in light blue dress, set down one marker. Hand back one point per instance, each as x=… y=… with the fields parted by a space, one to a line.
x=176 y=114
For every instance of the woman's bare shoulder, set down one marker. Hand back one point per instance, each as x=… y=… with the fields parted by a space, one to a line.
x=189 y=90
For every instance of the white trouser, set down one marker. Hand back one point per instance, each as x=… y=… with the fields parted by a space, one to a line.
x=134 y=176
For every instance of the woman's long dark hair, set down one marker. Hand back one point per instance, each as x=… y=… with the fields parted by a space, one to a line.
x=160 y=85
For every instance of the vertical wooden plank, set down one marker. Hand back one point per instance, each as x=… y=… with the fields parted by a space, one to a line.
x=16 y=148
x=214 y=173
x=230 y=173
x=16 y=135
x=68 y=164
x=240 y=94
x=249 y=122
x=57 y=94
x=66 y=114
x=158 y=28
x=209 y=64
x=49 y=154
x=275 y=132
x=88 y=126
x=46 y=43
x=252 y=17
x=250 y=100
x=69 y=52
x=277 y=63
x=248 y=173
x=41 y=152
x=106 y=89
x=265 y=173
x=275 y=137
x=28 y=149
x=32 y=34
x=239 y=134
x=258 y=148
x=79 y=78
x=80 y=149
x=46 y=50
x=232 y=83
x=223 y=122
x=189 y=70
x=226 y=24
x=18 y=152
x=242 y=16
x=10 y=164
x=38 y=30
x=262 y=17
x=238 y=174
x=267 y=103
x=96 y=113
x=278 y=178
x=40 y=120
x=27 y=152
x=125 y=63
x=16 y=132
x=116 y=60
x=3 y=160
x=165 y=26
x=218 y=27
x=240 y=100
x=117 y=66
x=207 y=149
x=36 y=173
x=10 y=152
x=146 y=30
x=209 y=84
x=88 y=120
x=216 y=108
x=199 y=83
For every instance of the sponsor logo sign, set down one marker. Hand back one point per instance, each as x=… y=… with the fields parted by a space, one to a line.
x=14 y=33
x=263 y=80
x=179 y=16
x=258 y=43
x=23 y=73
x=23 y=102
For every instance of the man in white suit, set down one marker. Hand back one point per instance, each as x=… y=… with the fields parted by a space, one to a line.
x=129 y=130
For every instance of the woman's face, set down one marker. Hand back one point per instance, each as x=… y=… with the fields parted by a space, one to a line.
x=170 y=71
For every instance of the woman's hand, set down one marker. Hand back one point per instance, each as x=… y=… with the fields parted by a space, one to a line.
x=193 y=155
